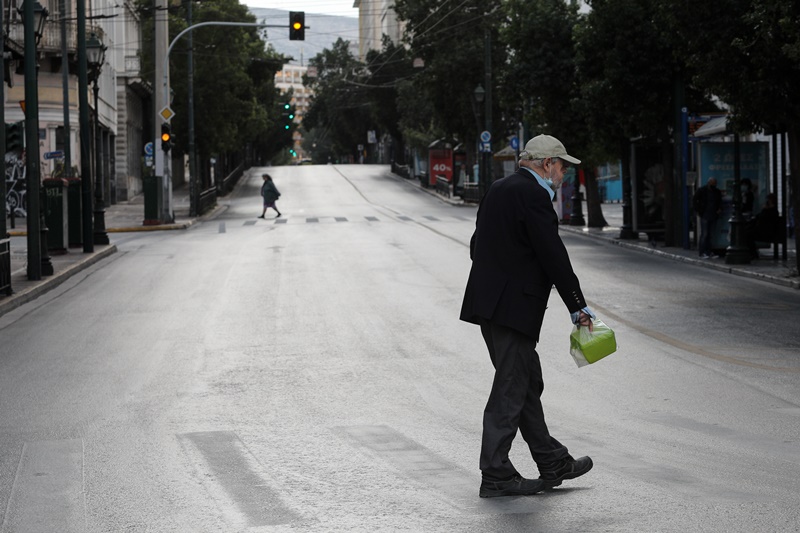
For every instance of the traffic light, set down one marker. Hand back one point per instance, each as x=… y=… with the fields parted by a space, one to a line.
x=15 y=136
x=166 y=136
x=297 y=25
x=287 y=112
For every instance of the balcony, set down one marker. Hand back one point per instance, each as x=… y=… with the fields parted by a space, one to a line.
x=51 y=39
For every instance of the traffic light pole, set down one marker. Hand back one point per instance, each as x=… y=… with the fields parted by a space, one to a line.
x=160 y=155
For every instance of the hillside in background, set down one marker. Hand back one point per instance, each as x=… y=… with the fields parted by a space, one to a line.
x=322 y=32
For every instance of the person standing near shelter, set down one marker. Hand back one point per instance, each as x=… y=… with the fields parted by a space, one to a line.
x=517 y=256
x=708 y=206
x=270 y=194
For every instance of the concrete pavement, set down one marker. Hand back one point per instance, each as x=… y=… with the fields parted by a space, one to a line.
x=128 y=217
x=120 y=217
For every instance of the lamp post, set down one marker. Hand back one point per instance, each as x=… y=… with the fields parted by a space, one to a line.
x=738 y=252
x=95 y=56
x=83 y=120
x=33 y=21
x=480 y=94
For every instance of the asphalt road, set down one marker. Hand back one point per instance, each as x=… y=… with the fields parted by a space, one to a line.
x=310 y=374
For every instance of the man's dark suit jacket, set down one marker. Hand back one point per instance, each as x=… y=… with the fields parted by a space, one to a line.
x=517 y=256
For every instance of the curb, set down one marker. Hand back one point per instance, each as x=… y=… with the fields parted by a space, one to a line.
x=692 y=261
x=457 y=203
x=26 y=295
x=158 y=227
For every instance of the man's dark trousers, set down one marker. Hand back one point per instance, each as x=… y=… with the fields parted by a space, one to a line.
x=515 y=402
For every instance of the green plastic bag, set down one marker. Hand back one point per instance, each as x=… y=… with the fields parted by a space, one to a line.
x=588 y=347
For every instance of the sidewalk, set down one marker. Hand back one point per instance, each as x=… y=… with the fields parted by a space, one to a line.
x=121 y=217
x=767 y=269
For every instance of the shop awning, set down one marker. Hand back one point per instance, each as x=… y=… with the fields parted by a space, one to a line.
x=715 y=126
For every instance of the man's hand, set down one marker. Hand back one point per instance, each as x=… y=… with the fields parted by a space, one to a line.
x=584 y=320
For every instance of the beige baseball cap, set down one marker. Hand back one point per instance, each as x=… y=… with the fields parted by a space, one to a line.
x=543 y=146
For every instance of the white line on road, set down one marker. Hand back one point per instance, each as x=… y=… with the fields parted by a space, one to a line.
x=47 y=494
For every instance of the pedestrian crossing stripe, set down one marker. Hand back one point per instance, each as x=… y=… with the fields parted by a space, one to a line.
x=337 y=219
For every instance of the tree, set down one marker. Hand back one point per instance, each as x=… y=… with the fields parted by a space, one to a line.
x=542 y=78
x=449 y=37
x=631 y=85
x=228 y=61
x=340 y=107
x=385 y=70
x=749 y=57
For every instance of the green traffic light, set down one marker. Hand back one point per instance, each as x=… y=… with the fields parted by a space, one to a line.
x=286 y=106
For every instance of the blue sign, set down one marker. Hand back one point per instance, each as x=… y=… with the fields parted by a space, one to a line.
x=717 y=161
x=58 y=154
x=486 y=136
x=148 y=149
x=514 y=142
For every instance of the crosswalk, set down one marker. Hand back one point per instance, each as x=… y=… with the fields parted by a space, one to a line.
x=340 y=219
x=49 y=490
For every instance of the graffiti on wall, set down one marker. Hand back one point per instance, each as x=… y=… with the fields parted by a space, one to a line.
x=16 y=186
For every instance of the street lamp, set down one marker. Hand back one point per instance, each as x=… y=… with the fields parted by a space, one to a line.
x=33 y=17
x=39 y=18
x=95 y=56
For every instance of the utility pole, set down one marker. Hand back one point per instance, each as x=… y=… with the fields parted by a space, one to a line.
x=487 y=82
x=87 y=224
x=161 y=99
x=194 y=189
x=65 y=89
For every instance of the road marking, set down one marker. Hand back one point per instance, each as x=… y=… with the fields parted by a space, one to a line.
x=231 y=465
x=312 y=220
x=222 y=227
x=372 y=219
x=340 y=219
x=250 y=222
x=429 y=217
x=405 y=218
x=280 y=221
x=47 y=494
x=434 y=473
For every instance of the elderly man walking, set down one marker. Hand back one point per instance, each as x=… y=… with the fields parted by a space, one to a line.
x=517 y=256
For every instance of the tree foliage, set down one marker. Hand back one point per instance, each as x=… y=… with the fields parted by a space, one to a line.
x=749 y=58
x=449 y=37
x=340 y=108
x=235 y=99
x=597 y=79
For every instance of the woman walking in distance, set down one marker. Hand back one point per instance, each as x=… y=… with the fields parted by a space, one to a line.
x=270 y=194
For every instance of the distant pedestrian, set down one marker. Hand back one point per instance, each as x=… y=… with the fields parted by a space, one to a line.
x=517 y=257
x=708 y=206
x=270 y=194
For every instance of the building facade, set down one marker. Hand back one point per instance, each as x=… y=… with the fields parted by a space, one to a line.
x=376 y=18
x=117 y=110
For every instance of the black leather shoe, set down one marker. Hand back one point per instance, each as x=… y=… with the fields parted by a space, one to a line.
x=516 y=486
x=553 y=474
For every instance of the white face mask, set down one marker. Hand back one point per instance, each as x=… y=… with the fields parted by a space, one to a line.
x=549 y=179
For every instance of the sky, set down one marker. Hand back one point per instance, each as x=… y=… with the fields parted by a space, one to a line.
x=343 y=8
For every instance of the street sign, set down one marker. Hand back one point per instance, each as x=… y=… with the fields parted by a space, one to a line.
x=486 y=147
x=514 y=142
x=167 y=113
x=148 y=148
x=486 y=136
x=58 y=154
